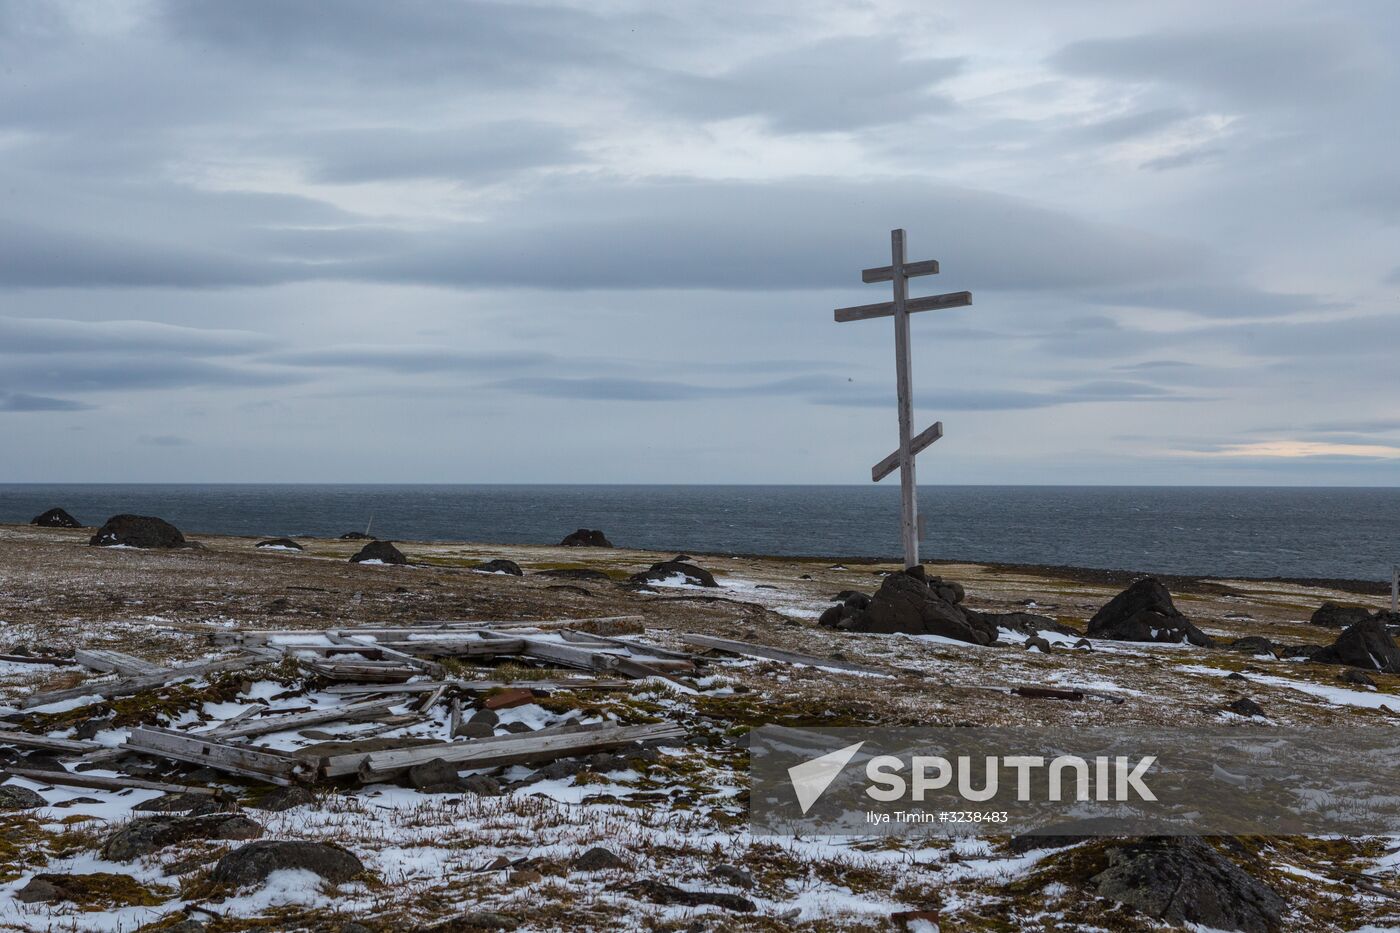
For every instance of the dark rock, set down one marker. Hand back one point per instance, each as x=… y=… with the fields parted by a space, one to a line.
x=1334 y=616
x=1244 y=706
x=287 y=543
x=501 y=565
x=1301 y=651
x=96 y=889
x=575 y=573
x=586 y=537
x=142 y=531
x=1027 y=623
x=1366 y=645
x=382 y=551
x=1038 y=643
x=89 y=728
x=284 y=798
x=55 y=518
x=435 y=777
x=667 y=569
x=660 y=892
x=732 y=874
x=1084 y=643
x=906 y=603
x=1145 y=612
x=598 y=859
x=1254 y=644
x=483 y=785
x=832 y=617
x=476 y=730
x=1181 y=880
x=519 y=728
x=252 y=863
x=1235 y=675
x=356 y=536
x=173 y=803
x=13 y=797
x=488 y=716
x=151 y=834
x=1352 y=676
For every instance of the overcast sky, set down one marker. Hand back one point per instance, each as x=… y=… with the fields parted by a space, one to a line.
x=356 y=241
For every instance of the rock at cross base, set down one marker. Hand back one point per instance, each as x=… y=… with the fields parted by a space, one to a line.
x=1183 y=880
x=252 y=863
x=1145 y=612
x=909 y=603
x=1334 y=616
x=14 y=797
x=670 y=569
x=144 y=531
x=55 y=518
x=382 y=551
x=1366 y=645
x=586 y=537
x=153 y=833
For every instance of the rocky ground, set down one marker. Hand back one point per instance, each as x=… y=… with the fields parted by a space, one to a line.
x=671 y=826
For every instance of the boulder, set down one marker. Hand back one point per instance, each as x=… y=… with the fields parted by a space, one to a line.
x=1183 y=880
x=670 y=569
x=89 y=890
x=909 y=603
x=280 y=544
x=1366 y=645
x=435 y=777
x=1302 y=651
x=379 y=552
x=1254 y=644
x=153 y=833
x=586 y=537
x=55 y=518
x=1145 y=612
x=1354 y=677
x=598 y=859
x=1027 y=623
x=144 y=531
x=13 y=797
x=1334 y=616
x=501 y=565
x=252 y=863
x=284 y=798
x=849 y=602
x=1244 y=706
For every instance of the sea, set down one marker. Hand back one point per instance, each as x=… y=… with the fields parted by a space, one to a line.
x=1343 y=533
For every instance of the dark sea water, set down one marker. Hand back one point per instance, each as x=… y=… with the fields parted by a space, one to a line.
x=1341 y=532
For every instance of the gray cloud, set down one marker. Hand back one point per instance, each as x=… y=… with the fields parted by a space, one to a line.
x=54 y=335
x=163 y=440
x=407 y=359
x=833 y=84
x=23 y=402
x=479 y=154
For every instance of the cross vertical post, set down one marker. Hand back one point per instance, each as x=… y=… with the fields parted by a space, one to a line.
x=909 y=505
x=898 y=273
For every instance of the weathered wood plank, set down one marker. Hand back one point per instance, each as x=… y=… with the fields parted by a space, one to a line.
x=352 y=712
x=261 y=764
x=115 y=662
x=886 y=308
x=509 y=750
x=38 y=659
x=223 y=635
x=69 y=746
x=458 y=647
x=352 y=638
x=130 y=685
x=482 y=686
x=911 y=269
x=778 y=654
x=920 y=441
x=102 y=782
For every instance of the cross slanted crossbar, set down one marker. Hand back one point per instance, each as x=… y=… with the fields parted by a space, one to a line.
x=899 y=272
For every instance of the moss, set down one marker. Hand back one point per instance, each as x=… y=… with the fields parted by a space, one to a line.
x=103 y=890
x=24 y=845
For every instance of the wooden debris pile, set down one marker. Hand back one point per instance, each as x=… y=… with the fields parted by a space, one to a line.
x=369 y=686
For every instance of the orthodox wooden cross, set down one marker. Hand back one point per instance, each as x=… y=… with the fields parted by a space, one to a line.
x=899 y=272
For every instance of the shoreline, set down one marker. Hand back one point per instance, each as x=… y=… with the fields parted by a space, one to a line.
x=1106 y=576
